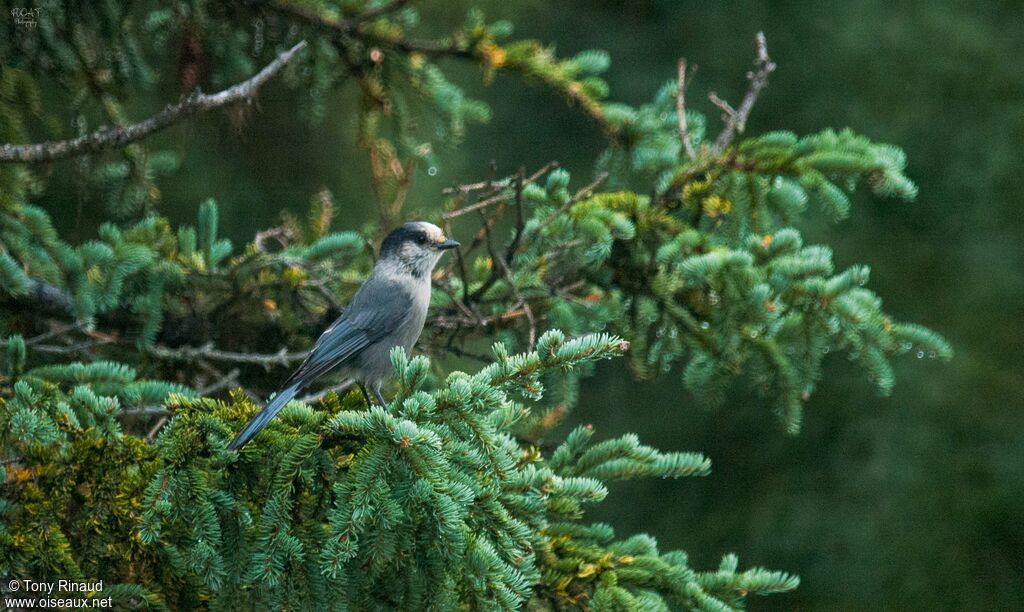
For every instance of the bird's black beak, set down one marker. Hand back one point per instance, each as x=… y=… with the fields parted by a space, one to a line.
x=447 y=244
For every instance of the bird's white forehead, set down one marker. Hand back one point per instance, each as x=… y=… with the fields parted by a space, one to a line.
x=433 y=232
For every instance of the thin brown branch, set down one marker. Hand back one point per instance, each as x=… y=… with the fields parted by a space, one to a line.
x=736 y=119
x=460 y=262
x=684 y=130
x=157 y=427
x=496 y=271
x=483 y=237
x=500 y=196
x=513 y=246
x=455 y=322
x=495 y=257
x=116 y=136
x=478 y=238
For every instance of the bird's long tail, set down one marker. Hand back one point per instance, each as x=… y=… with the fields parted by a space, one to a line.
x=260 y=421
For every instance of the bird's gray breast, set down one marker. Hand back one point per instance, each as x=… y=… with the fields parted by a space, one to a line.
x=413 y=296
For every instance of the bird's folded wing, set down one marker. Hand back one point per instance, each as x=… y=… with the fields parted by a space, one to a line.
x=357 y=329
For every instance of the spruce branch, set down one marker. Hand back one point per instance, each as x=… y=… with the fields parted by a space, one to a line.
x=585 y=192
x=119 y=136
x=345 y=25
x=574 y=260
x=351 y=28
x=165 y=414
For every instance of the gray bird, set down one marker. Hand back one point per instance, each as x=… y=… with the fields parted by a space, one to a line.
x=387 y=311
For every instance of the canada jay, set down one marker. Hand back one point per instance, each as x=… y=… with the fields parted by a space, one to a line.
x=387 y=311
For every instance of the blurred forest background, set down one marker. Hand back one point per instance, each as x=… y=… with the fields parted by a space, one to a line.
x=915 y=501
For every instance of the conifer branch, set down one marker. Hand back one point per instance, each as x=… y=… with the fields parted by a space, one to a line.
x=345 y=25
x=119 y=136
x=350 y=27
x=583 y=193
x=165 y=414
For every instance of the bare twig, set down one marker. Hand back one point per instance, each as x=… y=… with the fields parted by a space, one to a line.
x=208 y=352
x=156 y=428
x=728 y=112
x=501 y=195
x=281 y=234
x=455 y=322
x=736 y=119
x=223 y=383
x=115 y=136
x=495 y=257
x=684 y=131
x=460 y=262
x=71 y=349
x=496 y=272
x=145 y=411
x=312 y=397
x=55 y=331
x=513 y=246
x=483 y=237
x=478 y=239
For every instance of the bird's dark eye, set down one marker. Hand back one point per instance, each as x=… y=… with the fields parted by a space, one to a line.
x=421 y=238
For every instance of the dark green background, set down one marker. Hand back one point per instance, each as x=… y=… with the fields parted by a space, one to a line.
x=907 y=502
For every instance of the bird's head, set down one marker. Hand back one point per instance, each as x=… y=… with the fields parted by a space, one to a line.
x=416 y=247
